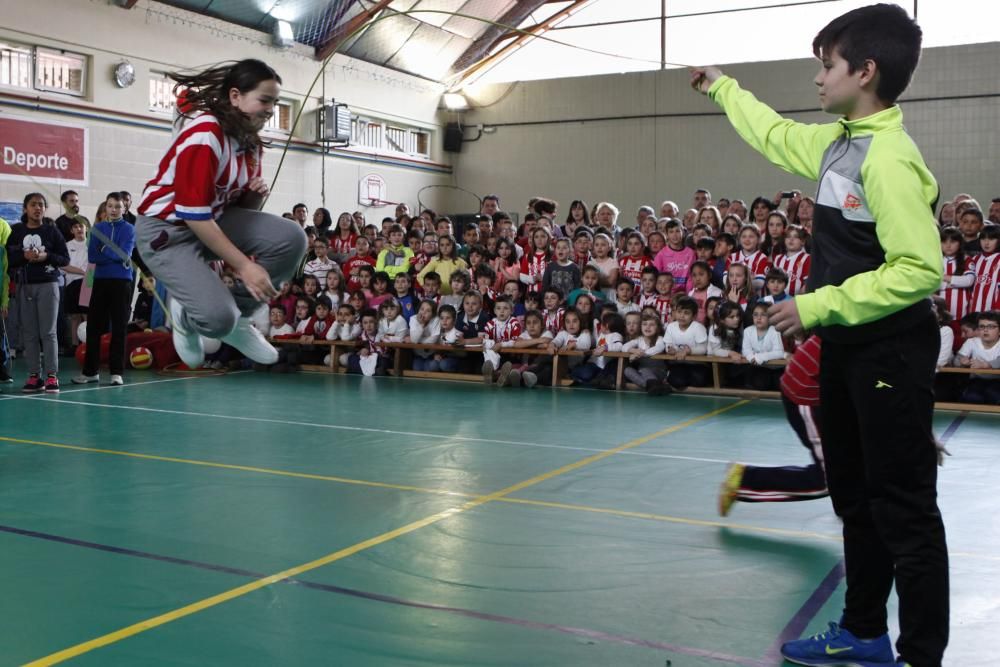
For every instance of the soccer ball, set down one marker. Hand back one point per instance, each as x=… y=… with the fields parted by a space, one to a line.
x=140 y=358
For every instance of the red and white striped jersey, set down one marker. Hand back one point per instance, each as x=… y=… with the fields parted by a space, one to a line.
x=644 y=299
x=757 y=262
x=631 y=268
x=339 y=246
x=533 y=264
x=797 y=267
x=957 y=298
x=554 y=320
x=502 y=332
x=800 y=381
x=985 y=293
x=664 y=306
x=202 y=172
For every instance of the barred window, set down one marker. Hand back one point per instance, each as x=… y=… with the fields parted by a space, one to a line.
x=60 y=71
x=281 y=120
x=161 y=93
x=377 y=135
x=15 y=66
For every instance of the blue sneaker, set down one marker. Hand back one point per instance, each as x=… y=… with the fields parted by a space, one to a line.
x=839 y=648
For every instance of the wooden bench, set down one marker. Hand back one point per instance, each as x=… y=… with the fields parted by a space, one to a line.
x=403 y=353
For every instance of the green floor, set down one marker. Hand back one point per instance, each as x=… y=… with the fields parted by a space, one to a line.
x=457 y=525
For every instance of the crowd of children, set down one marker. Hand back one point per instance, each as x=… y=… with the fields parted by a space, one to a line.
x=695 y=287
x=696 y=284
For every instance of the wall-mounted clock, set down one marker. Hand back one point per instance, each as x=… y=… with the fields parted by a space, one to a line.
x=124 y=74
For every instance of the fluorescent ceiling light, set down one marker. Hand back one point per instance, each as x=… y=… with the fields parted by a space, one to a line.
x=455 y=101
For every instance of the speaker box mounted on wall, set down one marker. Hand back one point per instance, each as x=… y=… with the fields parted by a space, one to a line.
x=453 y=138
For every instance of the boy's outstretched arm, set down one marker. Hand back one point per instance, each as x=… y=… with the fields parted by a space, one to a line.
x=795 y=147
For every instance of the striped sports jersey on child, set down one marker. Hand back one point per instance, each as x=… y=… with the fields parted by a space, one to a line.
x=202 y=172
x=985 y=295
x=957 y=298
x=503 y=332
x=796 y=265
x=757 y=262
x=631 y=268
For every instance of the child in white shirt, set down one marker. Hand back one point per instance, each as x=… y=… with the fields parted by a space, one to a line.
x=685 y=337
x=425 y=327
x=392 y=327
x=534 y=336
x=610 y=338
x=983 y=352
x=642 y=370
x=761 y=344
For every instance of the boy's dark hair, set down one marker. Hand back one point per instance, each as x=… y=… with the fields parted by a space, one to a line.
x=606 y=308
x=432 y=275
x=485 y=271
x=706 y=242
x=396 y=227
x=116 y=195
x=623 y=281
x=414 y=234
x=703 y=265
x=973 y=211
x=503 y=298
x=381 y=275
x=989 y=316
x=471 y=227
x=553 y=290
x=321 y=240
x=614 y=322
x=369 y=312
x=686 y=303
x=348 y=307
x=479 y=250
x=728 y=238
x=517 y=283
x=298 y=206
x=703 y=226
x=969 y=320
x=774 y=273
x=463 y=275
x=544 y=206
x=403 y=274
x=672 y=223
x=534 y=314
x=309 y=276
x=448 y=308
x=367 y=268
x=882 y=33
x=650 y=269
x=590 y=268
x=325 y=302
x=990 y=232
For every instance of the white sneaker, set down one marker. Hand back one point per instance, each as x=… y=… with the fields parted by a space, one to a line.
x=187 y=343
x=251 y=342
x=117 y=380
x=85 y=379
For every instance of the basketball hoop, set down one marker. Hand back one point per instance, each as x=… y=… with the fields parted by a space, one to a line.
x=373 y=191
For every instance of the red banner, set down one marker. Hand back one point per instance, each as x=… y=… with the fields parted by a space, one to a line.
x=44 y=151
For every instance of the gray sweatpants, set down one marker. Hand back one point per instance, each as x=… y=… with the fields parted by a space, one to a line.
x=38 y=307
x=179 y=260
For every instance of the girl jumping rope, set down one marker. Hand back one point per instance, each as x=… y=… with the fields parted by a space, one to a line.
x=203 y=204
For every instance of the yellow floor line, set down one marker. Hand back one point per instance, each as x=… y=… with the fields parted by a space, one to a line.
x=162 y=619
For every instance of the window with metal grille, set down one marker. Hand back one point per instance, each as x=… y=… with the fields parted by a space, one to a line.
x=161 y=93
x=60 y=71
x=368 y=133
x=281 y=120
x=15 y=65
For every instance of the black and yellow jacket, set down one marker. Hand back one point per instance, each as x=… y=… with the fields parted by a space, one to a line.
x=876 y=248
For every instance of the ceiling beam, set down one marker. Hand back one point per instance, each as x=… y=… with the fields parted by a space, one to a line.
x=522 y=38
x=493 y=33
x=338 y=34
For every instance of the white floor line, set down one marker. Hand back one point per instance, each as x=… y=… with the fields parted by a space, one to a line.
x=362 y=429
x=70 y=391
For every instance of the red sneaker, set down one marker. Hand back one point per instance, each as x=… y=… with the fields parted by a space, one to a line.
x=33 y=385
x=52 y=385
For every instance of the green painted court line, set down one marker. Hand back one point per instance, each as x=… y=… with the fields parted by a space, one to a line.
x=240 y=591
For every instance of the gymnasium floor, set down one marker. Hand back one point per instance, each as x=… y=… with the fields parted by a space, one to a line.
x=249 y=519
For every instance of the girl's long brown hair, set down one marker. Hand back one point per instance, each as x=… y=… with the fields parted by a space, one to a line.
x=208 y=91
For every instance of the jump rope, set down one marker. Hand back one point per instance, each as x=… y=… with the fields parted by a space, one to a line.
x=384 y=15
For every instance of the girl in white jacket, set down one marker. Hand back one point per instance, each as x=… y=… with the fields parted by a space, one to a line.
x=761 y=344
x=643 y=370
x=425 y=327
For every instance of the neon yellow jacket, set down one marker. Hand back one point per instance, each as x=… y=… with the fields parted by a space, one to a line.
x=876 y=246
x=5 y=279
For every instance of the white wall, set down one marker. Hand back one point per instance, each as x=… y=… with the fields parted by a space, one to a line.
x=646 y=160
x=156 y=37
